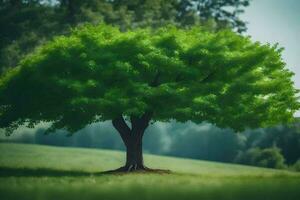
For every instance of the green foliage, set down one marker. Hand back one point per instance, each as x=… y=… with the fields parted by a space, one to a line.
x=98 y=73
x=222 y=13
x=157 y=13
x=27 y=24
x=296 y=166
x=270 y=157
x=286 y=138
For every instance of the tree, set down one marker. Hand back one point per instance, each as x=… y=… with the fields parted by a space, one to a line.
x=286 y=138
x=25 y=25
x=183 y=13
x=99 y=73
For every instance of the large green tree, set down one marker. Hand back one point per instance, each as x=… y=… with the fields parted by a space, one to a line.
x=99 y=73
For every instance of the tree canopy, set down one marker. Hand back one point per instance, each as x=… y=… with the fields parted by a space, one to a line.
x=98 y=73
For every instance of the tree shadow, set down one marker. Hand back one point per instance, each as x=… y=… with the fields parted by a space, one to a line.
x=42 y=172
x=39 y=172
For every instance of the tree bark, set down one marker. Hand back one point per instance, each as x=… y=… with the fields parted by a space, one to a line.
x=134 y=154
x=133 y=140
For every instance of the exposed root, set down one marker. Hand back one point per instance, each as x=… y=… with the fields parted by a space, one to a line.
x=137 y=169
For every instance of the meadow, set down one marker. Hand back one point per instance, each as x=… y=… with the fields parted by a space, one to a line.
x=47 y=172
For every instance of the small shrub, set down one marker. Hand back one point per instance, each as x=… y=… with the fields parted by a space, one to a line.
x=269 y=157
x=296 y=166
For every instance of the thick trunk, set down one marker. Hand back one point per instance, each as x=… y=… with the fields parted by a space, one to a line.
x=133 y=139
x=134 y=154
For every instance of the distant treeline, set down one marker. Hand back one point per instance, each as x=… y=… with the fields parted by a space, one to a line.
x=276 y=147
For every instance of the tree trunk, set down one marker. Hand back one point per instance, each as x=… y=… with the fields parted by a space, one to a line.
x=133 y=139
x=134 y=154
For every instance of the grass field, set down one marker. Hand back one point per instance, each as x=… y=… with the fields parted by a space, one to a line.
x=44 y=172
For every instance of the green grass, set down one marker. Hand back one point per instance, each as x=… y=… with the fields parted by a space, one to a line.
x=44 y=172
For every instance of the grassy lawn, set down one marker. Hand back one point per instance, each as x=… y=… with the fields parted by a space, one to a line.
x=44 y=172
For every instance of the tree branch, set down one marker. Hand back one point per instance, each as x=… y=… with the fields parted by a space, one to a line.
x=208 y=76
x=155 y=81
x=139 y=124
x=123 y=129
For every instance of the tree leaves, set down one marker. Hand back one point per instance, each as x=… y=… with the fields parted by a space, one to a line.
x=99 y=73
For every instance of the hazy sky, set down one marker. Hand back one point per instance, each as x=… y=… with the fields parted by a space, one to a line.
x=277 y=21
